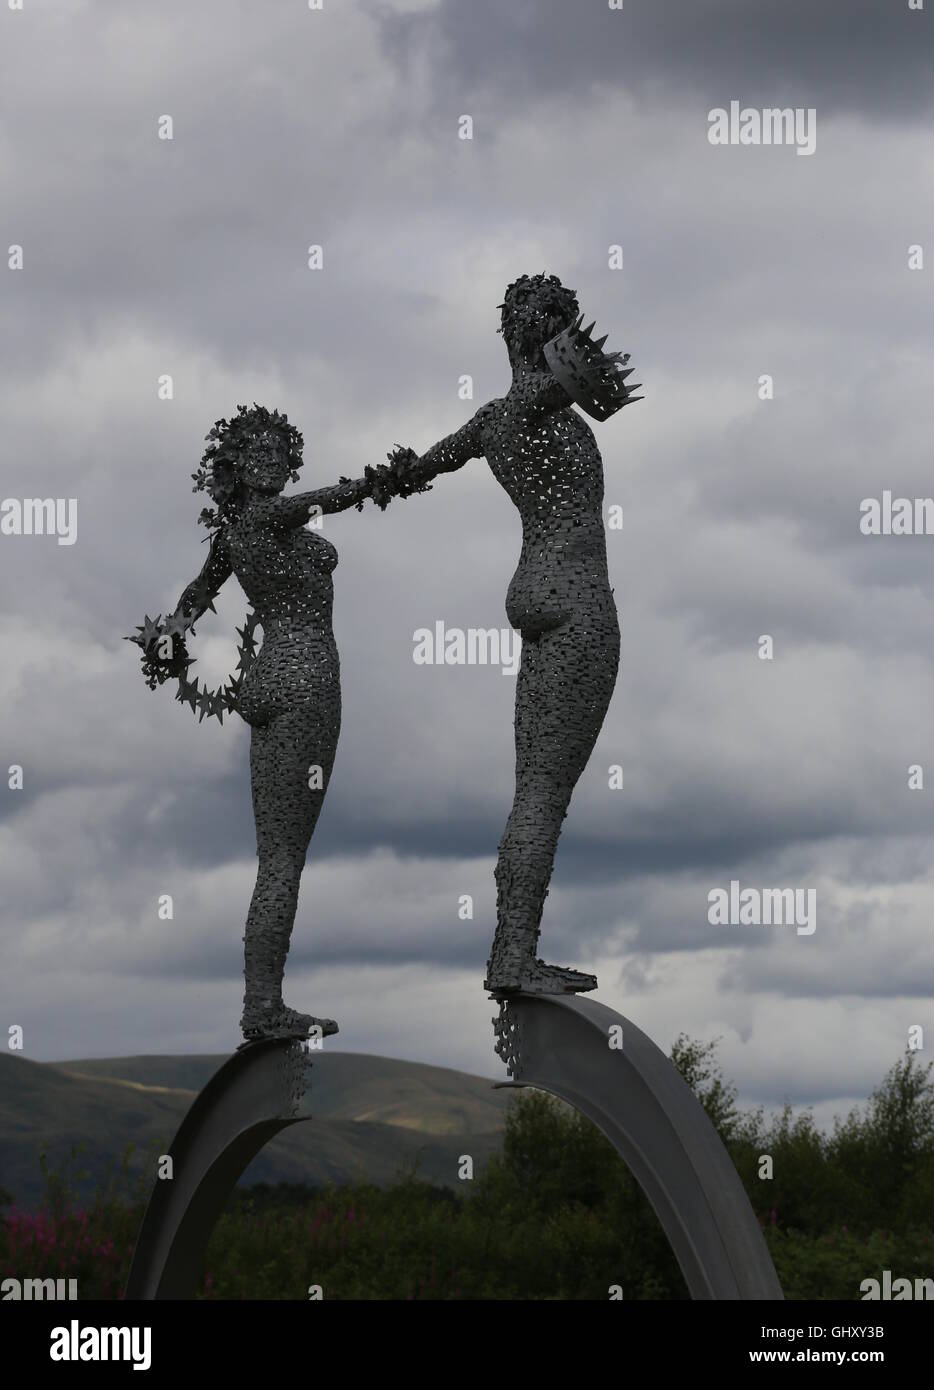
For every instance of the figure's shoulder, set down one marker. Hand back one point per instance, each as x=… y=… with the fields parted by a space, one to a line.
x=487 y=414
x=219 y=546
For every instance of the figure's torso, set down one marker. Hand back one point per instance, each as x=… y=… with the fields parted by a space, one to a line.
x=285 y=573
x=551 y=468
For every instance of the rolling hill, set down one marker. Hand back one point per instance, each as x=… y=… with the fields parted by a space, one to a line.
x=374 y=1118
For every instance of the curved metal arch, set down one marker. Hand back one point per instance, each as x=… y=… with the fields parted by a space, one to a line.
x=637 y=1097
x=258 y=1092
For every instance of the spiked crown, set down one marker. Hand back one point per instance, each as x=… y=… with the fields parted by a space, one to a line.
x=595 y=380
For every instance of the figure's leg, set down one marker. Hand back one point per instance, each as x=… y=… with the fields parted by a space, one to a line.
x=563 y=690
x=286 y=811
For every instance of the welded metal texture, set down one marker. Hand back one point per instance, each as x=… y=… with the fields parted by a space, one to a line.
x=545 y=457
x=637 y=1097
x=290 y=691
x=258 y=1092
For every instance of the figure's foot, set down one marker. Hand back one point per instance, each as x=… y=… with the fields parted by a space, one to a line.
x=282 y=1022
x=538 y=978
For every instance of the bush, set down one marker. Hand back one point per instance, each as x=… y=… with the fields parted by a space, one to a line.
x=555 y=1215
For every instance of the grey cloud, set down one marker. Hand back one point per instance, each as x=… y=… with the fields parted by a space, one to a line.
x=864 y=56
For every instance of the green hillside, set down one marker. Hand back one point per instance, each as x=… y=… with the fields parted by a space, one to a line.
x=345 y=1086
x=373 y=1118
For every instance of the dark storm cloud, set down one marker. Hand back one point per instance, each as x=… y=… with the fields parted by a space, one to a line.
x=865 y=57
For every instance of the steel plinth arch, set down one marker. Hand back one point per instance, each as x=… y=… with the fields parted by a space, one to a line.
x=257 y=1093
x=576 y=1049
x=612 y=1072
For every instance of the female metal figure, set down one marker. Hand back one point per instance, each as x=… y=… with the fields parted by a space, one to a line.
x=546 y=458
x=290 y=695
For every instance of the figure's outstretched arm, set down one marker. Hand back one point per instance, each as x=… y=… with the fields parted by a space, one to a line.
x=404 y=474
x=453 y=451
x=297 y=509
x=199 y=595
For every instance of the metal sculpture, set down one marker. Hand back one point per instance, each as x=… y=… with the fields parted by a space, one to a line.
x=259 y=1091
x=289 y=693
x=546 y=458
x=609 y=1070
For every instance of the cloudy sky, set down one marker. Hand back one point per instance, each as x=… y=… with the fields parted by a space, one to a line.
x=339 y=127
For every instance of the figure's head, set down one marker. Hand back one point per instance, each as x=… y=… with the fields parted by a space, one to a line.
x=535 y=308
x=266 y=467
x=256 y=449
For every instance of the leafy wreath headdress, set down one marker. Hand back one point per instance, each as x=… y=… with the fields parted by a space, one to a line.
x=219 y=472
